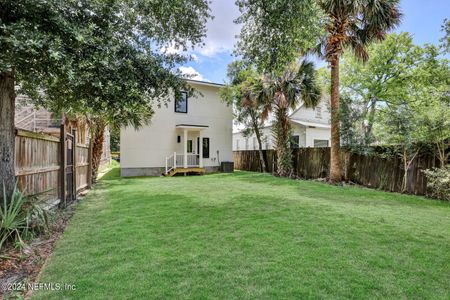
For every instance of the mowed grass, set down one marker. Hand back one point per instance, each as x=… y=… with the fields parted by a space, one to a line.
x=250 y=235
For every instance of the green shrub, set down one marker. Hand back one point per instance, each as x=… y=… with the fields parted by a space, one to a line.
x=438 y=182
x=20 y=218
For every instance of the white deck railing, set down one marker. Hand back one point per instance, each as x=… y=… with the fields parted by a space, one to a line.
x=177 y=161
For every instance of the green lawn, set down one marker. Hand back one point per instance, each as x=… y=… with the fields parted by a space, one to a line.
x=249 y=235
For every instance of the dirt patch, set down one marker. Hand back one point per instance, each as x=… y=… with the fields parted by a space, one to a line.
x=20 y=267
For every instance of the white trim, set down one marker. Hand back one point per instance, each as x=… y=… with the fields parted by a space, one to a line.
x=218 y=85
x=191 y=127
x=304 y=123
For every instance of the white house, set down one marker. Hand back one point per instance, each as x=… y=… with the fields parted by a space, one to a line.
x=193 y=134
x=310 y=128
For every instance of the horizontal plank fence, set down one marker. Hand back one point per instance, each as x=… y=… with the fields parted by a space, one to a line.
x=82 y=167
x=40 y=165
x=374 y=170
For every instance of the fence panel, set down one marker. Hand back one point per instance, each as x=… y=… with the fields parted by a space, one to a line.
x=82 y=165
x=37 y=163
x=373 y=171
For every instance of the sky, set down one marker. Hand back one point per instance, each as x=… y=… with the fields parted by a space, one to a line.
x=422 y=18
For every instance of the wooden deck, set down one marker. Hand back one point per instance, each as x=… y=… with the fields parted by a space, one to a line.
x=175 y=171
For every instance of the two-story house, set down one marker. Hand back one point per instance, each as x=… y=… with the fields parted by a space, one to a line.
x=193 y=134
x=310 y=128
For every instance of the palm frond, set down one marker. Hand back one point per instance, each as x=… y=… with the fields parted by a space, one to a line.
x=356 y=24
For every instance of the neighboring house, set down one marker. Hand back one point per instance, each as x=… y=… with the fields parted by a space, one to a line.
x=192 y=134
x=310 y=128
x=28 y=117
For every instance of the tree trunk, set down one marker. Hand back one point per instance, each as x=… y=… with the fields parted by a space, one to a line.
x=260 y=150
x=370 y=121
x=405 y=170
x=442 y=156
x=7 y=134
x=98 y=136
x=335 y=162
x=284 y=155
x=258 y=137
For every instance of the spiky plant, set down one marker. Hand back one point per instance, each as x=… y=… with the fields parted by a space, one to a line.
x=20 y=216
x=283 y=93
x=351 y=24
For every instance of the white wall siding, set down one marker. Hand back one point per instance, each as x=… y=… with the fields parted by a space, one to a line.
x=317 y=134
x=310 y=114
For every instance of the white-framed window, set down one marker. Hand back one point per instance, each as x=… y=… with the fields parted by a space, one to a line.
x=181 y=104
x=237 y=144
x=246 y=144
x=255 y=142
x=318 y=112
x=267 y=145
x=295 y=141
x=320 y=143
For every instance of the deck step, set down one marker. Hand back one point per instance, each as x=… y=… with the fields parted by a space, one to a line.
x=175 y=171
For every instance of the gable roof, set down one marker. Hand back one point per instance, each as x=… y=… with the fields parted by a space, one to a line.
x=324 y=97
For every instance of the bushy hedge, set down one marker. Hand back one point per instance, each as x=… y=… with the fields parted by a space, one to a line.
x=438 y=182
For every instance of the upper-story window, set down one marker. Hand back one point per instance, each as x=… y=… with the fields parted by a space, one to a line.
x=295 y=141
x=319 y=112
x=181 y=104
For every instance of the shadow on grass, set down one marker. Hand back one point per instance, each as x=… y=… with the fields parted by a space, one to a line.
x=112 y=174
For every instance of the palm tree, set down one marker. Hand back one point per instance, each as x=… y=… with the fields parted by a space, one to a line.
x=351 y=24
x=251 y=109
x=282 y=93
x=240 y=93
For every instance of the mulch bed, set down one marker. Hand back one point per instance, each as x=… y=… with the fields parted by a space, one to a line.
x=23 y=266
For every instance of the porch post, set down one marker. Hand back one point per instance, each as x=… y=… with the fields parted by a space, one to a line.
x=200 y=149
x=185 y=137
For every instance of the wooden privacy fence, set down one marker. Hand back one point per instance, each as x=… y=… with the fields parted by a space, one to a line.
x=43 y=163
x=375 y=171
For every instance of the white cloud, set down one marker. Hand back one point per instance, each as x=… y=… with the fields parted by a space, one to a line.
x=171 y=49
x=195 y=57
x=193 y=74
x=221 y=31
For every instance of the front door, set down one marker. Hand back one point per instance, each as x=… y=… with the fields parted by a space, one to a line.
x=189 y=146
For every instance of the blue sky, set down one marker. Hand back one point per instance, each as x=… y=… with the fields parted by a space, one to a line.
x=422 y=18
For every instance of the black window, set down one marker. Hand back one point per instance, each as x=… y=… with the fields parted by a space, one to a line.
x=181 y=104
x=205 y=147
x=295 y=141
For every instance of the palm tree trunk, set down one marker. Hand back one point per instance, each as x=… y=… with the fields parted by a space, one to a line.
x=284 y=155
x=335 y=161
x=7 y=134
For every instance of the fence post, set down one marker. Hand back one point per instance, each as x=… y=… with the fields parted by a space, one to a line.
x=89 y=175
x=74 y=172
x=63 y=161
